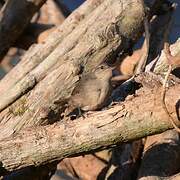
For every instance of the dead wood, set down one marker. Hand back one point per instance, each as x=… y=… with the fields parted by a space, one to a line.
x=121 y=123
x=50 y=71
x=124 y=162
x=161 y=156
x=85 y=39
x=175 y=177
x=38 y=53
x=14 y=18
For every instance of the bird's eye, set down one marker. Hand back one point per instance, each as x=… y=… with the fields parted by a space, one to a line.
x=102 y=67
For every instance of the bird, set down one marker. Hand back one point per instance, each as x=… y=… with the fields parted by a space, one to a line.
x=92 y=91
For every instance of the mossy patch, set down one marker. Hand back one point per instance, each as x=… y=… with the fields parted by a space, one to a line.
x=19 y=108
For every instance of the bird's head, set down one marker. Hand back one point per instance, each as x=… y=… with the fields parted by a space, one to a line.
x=103 y=71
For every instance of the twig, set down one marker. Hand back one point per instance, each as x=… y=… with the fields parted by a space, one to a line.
x=170 y=62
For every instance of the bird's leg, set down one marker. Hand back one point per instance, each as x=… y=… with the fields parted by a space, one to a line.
x=80 y=112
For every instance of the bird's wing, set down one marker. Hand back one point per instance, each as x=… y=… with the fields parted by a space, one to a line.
x=103 y=96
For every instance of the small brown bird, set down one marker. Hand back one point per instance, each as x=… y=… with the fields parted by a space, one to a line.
x=92 y=90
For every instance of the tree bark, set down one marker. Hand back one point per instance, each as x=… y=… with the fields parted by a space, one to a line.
x=121 y=123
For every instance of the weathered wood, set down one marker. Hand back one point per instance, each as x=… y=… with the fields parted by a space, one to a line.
x=55 y=80
x=107 y=30
x=38 y=53
x=121 y=123
x=162 y=62
x=14 y=18
x=161 y=156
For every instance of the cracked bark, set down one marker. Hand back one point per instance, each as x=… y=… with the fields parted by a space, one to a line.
x=121 y=123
